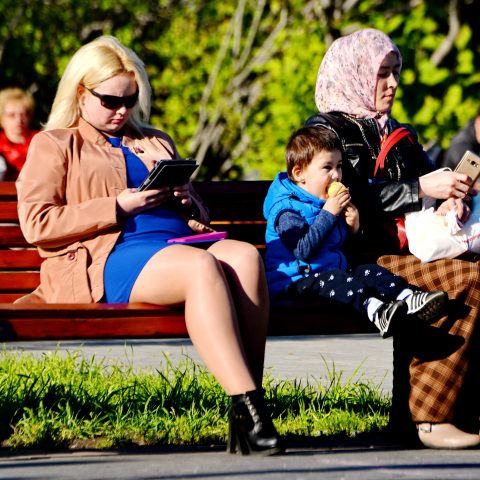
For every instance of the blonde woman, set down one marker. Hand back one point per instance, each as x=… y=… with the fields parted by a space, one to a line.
x=104 y=241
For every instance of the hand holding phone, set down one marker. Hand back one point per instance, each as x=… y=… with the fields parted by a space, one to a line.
x=469 y=165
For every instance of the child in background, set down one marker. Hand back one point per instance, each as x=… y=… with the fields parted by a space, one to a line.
x=16 y=112
x=309 y=215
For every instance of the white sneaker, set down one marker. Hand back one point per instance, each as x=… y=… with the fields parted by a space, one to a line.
x=386 y=318
x=426 y=306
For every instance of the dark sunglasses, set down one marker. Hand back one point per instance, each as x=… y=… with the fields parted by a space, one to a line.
x=112 y=102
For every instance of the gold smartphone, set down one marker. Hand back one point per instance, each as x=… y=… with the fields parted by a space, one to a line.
x=470 y=165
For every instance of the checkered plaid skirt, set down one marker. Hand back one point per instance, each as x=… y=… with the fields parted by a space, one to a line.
x=436 y=367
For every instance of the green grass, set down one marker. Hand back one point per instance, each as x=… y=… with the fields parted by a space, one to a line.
x=68 y=401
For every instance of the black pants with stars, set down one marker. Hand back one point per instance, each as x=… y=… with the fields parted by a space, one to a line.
x=352 y=287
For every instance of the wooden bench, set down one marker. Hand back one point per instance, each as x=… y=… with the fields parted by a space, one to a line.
x=234 y=206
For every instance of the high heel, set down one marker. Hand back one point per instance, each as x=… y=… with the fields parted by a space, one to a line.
x=251 y=429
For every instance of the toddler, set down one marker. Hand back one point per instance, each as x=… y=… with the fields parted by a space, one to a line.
x=309 y=215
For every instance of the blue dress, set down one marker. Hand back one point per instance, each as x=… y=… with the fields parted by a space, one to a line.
x=143 y=235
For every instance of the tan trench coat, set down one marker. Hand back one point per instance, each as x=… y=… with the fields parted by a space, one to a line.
x=67 y=207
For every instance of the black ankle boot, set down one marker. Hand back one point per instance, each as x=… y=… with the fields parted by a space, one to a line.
x=251 y=429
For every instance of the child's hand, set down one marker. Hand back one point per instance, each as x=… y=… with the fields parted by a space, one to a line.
x=352 y=217
x=461 y=208
x=337 y=202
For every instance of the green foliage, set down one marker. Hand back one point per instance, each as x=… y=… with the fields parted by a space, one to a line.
x=68 y=401
x=233 y=79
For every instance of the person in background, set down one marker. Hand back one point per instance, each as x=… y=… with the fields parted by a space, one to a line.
x=436 y=370
x=16 y=113
x=309 y=217
x=467 y=139
x=102 y=240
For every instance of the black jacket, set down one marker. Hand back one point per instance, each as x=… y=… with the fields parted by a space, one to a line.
x=396 y=191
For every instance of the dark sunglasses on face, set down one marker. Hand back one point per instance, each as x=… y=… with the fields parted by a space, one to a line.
x=112 y=102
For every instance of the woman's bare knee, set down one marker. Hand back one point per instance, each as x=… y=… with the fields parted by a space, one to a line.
x=234 y=252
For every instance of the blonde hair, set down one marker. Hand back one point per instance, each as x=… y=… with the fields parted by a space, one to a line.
x=17 y=94
x=92 y=64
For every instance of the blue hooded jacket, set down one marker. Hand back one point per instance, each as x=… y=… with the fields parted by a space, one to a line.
x=282 y=266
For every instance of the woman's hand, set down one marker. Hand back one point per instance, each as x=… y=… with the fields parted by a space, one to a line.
x=443 y=184
x=182 y=194
x=131 y=201
x=352 y=217
x=150 y=151
x=337 y=202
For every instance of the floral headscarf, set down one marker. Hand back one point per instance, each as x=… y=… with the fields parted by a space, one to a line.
x=347 y=77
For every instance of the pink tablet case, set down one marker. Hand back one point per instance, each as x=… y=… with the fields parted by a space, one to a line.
x=201 y=237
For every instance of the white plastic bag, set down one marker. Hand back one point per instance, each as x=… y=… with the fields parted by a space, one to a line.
x=430 y=238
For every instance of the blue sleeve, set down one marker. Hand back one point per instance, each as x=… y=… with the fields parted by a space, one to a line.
x=299 y=237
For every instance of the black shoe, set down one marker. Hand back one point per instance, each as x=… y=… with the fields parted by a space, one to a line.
x=251 y=429
x=388 y=315
x=426 y=306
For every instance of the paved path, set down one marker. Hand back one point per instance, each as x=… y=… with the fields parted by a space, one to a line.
x=341 y=462
x=306 y=358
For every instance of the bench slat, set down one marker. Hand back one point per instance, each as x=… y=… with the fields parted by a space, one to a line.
x=19 y=281
x=215 y=188
x=8 y=212
x=234 y=200
x=73 y=328
x=8 y=191
x=10 y=298
x=11 y=236
x=19 y=259
x=253 y=232
x=84 y=310
x=77 y=321
x=226 y=200
x=26 y=321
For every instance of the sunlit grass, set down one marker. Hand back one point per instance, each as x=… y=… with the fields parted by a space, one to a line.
x=68 y=401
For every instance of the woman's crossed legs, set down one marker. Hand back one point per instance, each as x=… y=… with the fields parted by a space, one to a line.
x=226 y=305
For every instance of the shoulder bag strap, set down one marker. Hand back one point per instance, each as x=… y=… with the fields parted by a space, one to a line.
x=390 y=141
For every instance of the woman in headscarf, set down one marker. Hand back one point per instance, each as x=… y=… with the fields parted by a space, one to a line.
x=437 y=369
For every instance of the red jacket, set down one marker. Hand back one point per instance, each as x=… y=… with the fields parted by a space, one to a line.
x=14 y=154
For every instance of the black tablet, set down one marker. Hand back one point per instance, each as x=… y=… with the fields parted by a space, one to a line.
x=169 y=173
